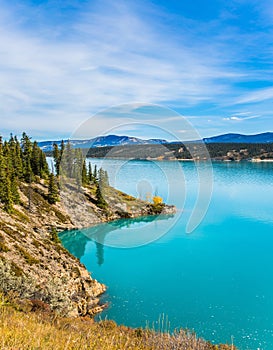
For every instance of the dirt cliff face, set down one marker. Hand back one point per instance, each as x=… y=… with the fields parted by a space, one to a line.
x=33 y=264
x=35 y=269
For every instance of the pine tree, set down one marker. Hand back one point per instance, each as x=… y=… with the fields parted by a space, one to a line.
x=5 y=177
x=95 y=174
x=77 y=166
x=12 y=150
x=62 y=148
x=67 y=162
x=18 y=163
x=84 y=174
x=53 y=191
x=35 y=159
x=101 y=203
x=103 y=178
x=44 y=169
x=7 y=197
x=27 y=151
x=57 y=158
x=90 y=175
x=14 y=188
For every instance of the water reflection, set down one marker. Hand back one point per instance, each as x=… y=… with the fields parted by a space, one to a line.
x=75 y=241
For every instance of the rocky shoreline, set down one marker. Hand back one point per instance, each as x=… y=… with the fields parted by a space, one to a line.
x=35 y=270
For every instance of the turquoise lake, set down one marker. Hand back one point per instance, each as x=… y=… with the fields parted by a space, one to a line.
x=216 y=280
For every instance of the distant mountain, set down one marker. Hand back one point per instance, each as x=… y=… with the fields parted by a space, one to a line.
x=114 y=140
x=101 y=141
x=266 y=137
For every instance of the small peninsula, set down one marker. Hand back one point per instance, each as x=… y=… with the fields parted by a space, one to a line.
x=38 y=276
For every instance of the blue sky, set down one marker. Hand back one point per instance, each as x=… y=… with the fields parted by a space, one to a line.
x=62 y=62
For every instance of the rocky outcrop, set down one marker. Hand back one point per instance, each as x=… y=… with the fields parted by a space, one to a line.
x=35 y=268
x=34 y=265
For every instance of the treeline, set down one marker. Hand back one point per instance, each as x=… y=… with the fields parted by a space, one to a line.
x=217 y=151
x=22 y=161
x=229 y=151
x=71 y=164
x=19 y=161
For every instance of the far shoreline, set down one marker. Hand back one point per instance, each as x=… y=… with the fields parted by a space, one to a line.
x=253 y=160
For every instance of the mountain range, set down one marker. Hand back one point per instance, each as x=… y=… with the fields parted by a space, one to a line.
x=114 y=140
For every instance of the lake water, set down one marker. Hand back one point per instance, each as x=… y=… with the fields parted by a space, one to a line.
x=216 y=280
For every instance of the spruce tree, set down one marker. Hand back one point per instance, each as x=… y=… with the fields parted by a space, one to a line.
x=6 y=193
x=35 y=159
x=101 y=203
x=95 y=174
x=7 y=197
x=14 y=188
x=18 y=164
x=77 y=166
x=67 y=163
x=84 y=174
x=57 y=158
x=27 y=152
x=62 y=148
x=53 y=191
x=90 y=175
x=44 y=169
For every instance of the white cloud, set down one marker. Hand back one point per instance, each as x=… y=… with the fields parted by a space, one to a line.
x=258 y=95
x=55 y=77
x=239 y=118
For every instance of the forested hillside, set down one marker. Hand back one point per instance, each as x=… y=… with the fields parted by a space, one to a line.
x=197 y=151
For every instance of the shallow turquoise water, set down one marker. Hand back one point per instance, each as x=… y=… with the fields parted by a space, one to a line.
x=216 y=280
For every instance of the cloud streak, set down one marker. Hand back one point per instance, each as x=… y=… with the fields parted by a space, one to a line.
x=55 y=76
x=239 y=118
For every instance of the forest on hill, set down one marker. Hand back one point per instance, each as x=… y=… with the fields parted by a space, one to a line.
x=23 y=161
x=197 y=151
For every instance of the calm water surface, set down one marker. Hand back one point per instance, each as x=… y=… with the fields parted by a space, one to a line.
x=216 y=280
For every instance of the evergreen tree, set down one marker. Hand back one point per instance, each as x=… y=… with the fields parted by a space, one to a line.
x=101 y=203
x=90 y=175
x=27 y=152
x=53 y=191
x=57 y=158
x=67 y=162
x=103 y=178
x=7 y=194
x=95 y=174
x=35 y=159
x=77 y=166
x=44 y=169
x=18 y=163
x=84 y=174
x=14 y=188
x=12 y=150
x=62 y=149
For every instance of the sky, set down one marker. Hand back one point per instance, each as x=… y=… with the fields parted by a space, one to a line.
x=64 y=62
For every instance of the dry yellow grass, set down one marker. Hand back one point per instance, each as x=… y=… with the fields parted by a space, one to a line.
x=36 y=331
x=41 y=331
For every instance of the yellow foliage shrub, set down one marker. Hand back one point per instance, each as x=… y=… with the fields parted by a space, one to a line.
x=157 y=200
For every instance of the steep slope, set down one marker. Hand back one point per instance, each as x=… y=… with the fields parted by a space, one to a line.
x=33 y=264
